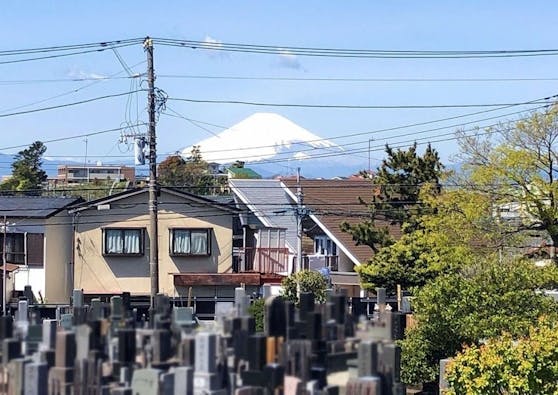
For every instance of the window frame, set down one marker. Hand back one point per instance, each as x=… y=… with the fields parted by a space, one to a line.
x=330 y=247
x=11 y=242
x=124 y=254
x=208 y=232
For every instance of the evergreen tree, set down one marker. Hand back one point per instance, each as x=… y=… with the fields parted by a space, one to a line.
x=27 y=175
x=397 y=185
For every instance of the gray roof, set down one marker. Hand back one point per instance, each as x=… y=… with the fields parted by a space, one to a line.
x=34 y=206
x=270 y=203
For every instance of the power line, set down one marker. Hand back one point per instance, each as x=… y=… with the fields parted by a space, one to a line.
x=69 y=47
x=310 y=141
x=352 y=53
x=95 y=81
x=57 y=80
x=344 y=136
x=60 y=55
x=345 y=106
x=348 y=79
x=74 y=137
x=287 y=79
x=68 y=104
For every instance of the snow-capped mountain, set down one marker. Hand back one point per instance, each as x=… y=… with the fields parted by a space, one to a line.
x=272 y=144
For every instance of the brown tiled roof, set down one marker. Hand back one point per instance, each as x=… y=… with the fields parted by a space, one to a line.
x=336 y=201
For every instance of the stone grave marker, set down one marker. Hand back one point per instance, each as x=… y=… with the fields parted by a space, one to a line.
x=36 y=379
x=183 y=380
x=146 y=381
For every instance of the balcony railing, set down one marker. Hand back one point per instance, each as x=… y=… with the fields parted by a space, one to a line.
x=261 y=260
x=315 y=262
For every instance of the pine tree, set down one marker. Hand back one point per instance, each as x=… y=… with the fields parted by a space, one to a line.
x=395 y=201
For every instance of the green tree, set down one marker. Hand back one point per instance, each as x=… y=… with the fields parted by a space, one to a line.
x=27 y=175
x=395 y=201
x=257 y=310
x=172 y=171
x=478 y=303
x=505 y=365
x=191 y=173
x=455 y=230
x=308 y=281
x=516 y=164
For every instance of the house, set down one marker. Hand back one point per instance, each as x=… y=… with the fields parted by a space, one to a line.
x=268 y=225
x=195 y=246
x=271 y=206
x=329 y=203
x=38 y=242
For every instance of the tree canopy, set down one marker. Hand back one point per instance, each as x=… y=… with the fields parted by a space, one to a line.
x=479 y=302
x=516 y=163
x=191 y=173
x=396 y=187
x=27 y=173
x=309 y=281
x=454 y=231
x=505 y=365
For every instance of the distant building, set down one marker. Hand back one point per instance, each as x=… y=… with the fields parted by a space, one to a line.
x=72 y=174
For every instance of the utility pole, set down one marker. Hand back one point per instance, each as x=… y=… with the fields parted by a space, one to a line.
x=299 y=216
x=153 y=187
x=4 y=271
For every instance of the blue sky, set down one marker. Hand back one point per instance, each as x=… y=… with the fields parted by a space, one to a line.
x=395 y=25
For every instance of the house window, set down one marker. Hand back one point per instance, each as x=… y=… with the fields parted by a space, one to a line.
x=123 y=241
x=15 y=247
x=190 y=242
x=325 y=246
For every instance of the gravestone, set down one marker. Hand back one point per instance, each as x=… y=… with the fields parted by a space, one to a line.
x=207 y=379
x=183 y=380
x=275 y=323
x=6 y=327
x=49 y=334
x=11 y=349
x=36 y=379
x=66 y=321
x=126 y=346
x=16 y=375
x=146 y=382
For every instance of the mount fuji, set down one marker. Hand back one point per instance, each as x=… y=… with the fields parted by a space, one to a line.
x=274 y=145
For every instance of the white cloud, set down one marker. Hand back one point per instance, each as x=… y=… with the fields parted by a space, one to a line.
x=214 y=46
x=81 y=74
x=289 y=60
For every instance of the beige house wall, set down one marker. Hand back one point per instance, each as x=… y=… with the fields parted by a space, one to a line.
x=53 y=280
x=58 y=258
x=95 y=273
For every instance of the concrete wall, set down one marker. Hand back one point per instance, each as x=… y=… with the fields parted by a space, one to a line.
x=96 y=273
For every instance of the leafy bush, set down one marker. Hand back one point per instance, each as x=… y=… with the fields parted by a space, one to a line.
x=528 y=365
x=466 y=308
x=309 y=280
x=257 y=310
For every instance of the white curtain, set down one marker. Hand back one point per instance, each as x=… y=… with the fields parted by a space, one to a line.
x=132 y=241
x=123 y=241
x=114 y=241
x=181 y=241
x=199 y=242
